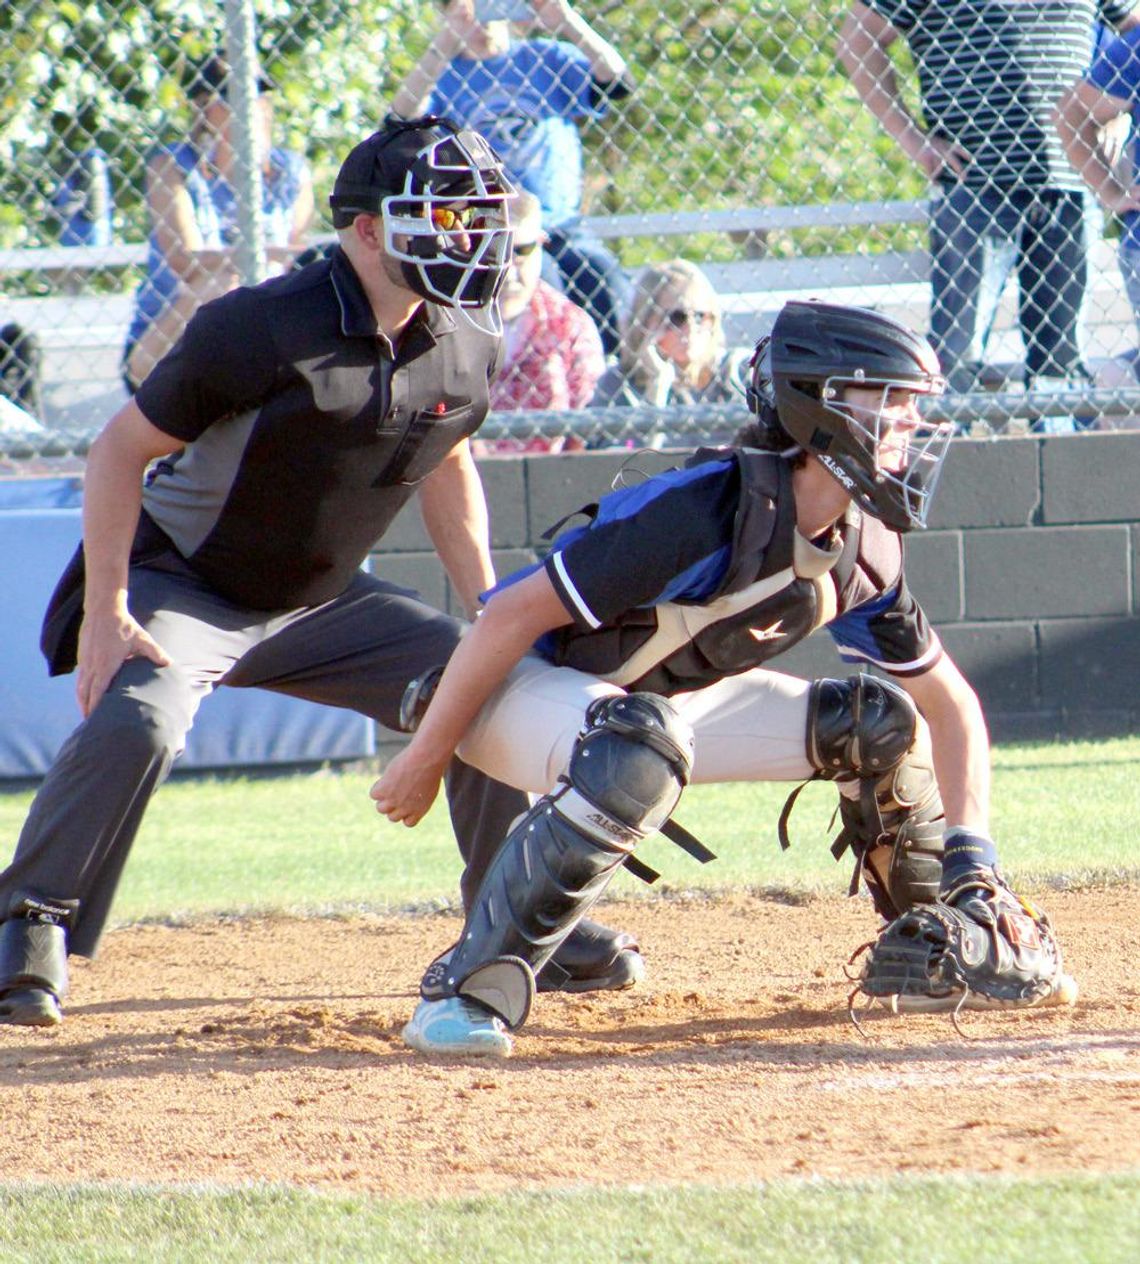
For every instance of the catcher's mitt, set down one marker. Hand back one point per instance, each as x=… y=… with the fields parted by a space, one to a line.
x=979 y=946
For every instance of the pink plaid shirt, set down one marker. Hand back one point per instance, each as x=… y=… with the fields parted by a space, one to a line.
x=554 y=359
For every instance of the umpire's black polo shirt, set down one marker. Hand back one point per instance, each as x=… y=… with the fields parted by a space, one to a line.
x=304 y=434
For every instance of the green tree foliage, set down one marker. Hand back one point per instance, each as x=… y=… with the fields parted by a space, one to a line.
x=738 y=103
x=109 y=72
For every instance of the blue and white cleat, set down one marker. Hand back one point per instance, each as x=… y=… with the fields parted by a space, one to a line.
x=458 y=1027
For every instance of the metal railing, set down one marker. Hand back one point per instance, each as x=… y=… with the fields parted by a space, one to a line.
x=743 y=147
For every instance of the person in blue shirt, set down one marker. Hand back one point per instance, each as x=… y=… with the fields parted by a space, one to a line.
x=635 y=658
x=83 y=201
x=193 y=213
x=1090 y=115
x=528 y=97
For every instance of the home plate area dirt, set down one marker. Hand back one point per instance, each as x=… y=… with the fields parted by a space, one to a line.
x=232 y=1051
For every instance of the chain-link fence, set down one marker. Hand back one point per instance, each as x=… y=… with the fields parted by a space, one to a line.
x=901 y=155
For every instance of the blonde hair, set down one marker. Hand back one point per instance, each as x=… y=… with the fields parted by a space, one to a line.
x=658 y=290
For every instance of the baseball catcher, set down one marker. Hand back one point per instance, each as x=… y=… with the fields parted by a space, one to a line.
x=642 y=644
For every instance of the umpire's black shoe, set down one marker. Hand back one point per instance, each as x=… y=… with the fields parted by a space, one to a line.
x=30 y=1007
x=33 y=960
x=593 y=958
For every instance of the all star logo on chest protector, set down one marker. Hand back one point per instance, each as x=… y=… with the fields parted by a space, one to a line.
x=773 y=633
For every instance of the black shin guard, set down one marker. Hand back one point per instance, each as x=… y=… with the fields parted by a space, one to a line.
x=626 y=774
x=33 y=959
x=867 y=730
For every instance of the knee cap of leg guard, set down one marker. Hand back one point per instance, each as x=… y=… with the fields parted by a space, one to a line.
x=414 y=703
x=650 y=720
x=633 y=760
x=860 y=726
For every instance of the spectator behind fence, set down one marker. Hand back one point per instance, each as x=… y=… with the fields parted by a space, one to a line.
x=21 y=368
x=989 y=76
x=193 y=212
x=1087 y=117
x=552 y=352
x=82 y=202
x=673 y=347
x=527 y=97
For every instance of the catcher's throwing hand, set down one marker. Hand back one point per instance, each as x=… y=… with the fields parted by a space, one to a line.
x=979 y=946
x=407 y=788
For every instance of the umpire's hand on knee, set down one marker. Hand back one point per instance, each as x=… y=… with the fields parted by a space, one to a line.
x=106 y=641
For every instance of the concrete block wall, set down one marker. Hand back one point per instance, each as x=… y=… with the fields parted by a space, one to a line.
x=1030 y=569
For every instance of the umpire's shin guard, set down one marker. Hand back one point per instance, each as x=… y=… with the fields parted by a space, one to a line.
x=626 y=774
x=33 y=960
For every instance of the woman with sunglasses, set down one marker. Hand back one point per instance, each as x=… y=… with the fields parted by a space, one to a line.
x=673 y=349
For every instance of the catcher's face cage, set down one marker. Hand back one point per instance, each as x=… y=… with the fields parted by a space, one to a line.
x=819 y=349
x=894 y=466
x=449 y=227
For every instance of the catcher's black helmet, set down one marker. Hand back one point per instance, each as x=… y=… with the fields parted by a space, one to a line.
x=798 y=380
x=442 y=195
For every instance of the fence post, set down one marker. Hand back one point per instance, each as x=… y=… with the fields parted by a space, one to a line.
x=241 y=52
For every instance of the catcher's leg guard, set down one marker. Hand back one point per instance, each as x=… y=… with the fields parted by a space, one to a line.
x=626 y=773
x=33 y=960
x=592 y=957
x=866 y=734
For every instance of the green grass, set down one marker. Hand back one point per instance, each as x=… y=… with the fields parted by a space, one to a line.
x=1063 y=815
x=313 y=843
x=982 y=1220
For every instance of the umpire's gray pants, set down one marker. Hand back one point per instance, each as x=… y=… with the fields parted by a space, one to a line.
x=358 y=651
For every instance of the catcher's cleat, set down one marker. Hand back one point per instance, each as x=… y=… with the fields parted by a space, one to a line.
x=979 y=946
x=30 y=1007
x=457 y=1027
x=593 y=958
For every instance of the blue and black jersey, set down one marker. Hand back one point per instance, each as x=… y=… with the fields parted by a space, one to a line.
x=700 y=573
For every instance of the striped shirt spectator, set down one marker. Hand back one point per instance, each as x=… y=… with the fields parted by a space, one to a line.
x=990 y=72
x=1006 y=197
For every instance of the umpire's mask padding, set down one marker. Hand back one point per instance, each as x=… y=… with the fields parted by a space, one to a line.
x=627 y=770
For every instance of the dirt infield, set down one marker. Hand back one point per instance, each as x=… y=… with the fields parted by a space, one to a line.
x=269 y=1050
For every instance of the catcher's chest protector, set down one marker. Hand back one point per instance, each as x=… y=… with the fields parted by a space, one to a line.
x=768 y=587
x=626 y=774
